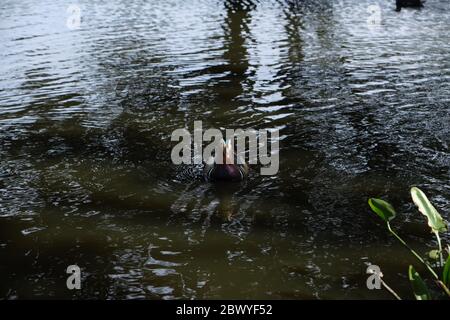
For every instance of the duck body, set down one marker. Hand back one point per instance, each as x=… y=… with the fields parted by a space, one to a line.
x=231 y=170
x=225 y=172
x=408 y=3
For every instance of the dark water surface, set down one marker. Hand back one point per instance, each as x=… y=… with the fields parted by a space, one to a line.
x=86 y=117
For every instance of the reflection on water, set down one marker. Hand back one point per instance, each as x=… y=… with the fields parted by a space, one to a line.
x=85 y=123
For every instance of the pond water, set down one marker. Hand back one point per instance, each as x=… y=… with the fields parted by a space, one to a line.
x=86 y=116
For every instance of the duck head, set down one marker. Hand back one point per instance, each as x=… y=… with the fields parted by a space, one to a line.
x=229 y=170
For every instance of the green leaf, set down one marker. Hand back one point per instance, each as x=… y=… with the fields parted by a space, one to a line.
x=446 y=272
x=426 y=208
x=419 y=287
x=434 y=254
x=382 y=208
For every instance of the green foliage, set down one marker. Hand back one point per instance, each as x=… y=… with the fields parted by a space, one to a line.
x=386 y=212
x=419 y=287
x=446 y=272
x=382 y=208
x=435 y=220
x=433 y=254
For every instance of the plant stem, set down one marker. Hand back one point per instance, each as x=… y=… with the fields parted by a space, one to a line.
x=413 y=252
x=444 y=287
x=390 y=290
x=441 y=260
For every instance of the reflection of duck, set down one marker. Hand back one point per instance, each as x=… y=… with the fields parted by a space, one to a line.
x=408 y=3
x=230 y=170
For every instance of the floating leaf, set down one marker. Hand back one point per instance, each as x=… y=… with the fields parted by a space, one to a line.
x=382 y=208
x=419 y=287
x=446 y=272
x=426 y=208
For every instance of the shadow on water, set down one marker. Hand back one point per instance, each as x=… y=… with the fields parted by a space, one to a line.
x=85 y=125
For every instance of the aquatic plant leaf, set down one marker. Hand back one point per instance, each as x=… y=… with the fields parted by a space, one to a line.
x=446 y=272
x=435 y=220
x=382 y=208
x=433 y=254
x=419 y=287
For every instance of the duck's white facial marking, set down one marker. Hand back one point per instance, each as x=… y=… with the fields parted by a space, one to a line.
x=228 y=153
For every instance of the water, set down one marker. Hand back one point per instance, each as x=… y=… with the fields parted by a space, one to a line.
x=86 y=117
